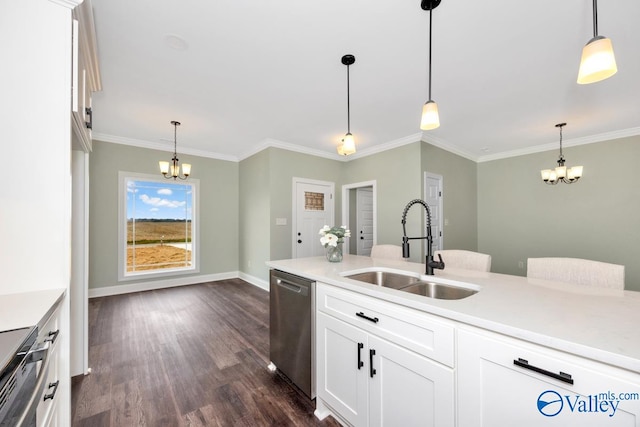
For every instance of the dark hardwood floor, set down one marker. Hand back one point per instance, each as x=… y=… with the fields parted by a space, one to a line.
x=185 y=356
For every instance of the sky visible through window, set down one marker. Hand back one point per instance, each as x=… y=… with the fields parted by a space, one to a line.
x=158 y=200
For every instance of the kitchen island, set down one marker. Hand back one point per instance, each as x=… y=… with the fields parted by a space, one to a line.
x=586 y=336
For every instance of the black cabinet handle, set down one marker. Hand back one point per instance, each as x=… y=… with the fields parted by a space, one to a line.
x=89 y=113
x=53 y=393
x=360 y=362
x=370 y=319
x=52 y=336
x=560 y=376
x=372 y=371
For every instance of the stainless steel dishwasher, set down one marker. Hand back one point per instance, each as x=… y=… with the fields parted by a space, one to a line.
x=291 y=326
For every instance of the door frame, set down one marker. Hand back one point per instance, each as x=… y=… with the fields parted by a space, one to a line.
x=294 y=209
x=440 y=179
x=345 y=206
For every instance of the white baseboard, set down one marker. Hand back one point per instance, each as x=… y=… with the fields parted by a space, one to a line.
x=255 y=281
x=160 y=284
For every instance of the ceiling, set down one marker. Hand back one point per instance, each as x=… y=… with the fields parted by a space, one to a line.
x=241 y=75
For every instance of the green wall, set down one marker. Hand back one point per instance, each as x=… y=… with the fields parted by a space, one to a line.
x=284 y=166
x=398 y=181
x=460 y=190
x=266 y=185
x=498 y=207
x=597 y=218
x=255 y=203
x=218 y=206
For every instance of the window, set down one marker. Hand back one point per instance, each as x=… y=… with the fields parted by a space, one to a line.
x=158 y=224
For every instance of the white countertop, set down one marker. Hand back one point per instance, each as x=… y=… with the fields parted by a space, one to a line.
x=600 y=324
x=27 y=309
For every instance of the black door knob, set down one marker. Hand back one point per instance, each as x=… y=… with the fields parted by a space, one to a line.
x=299 y=241
x=361 y=238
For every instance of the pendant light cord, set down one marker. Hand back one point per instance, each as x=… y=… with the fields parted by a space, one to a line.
x=430 y=32
x=348 y=104
x=595 y=18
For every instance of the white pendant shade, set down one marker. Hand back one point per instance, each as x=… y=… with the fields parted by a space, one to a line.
x=348 y=145
x=430 y=118
x=598 y=61
x=164 y=167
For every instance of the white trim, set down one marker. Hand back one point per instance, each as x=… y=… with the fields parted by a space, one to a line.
x=69 y=4
x=592 y=139
x=105 y=291
x=268 y=143
x=255 y=281
x=160 y=146
x=437 y=142
x=423 y=137
x=440 y=179
x=122 y=229
x=182 y=281
x=345 y=206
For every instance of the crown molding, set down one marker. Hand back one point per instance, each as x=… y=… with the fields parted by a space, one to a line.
x=70 y=4
x=417 y=137
x=440 y=143
x=161 y=147
x=383 y=147
x=269 y=142
x=591 y=139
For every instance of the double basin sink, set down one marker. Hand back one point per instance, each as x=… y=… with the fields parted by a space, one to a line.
x=413 y=285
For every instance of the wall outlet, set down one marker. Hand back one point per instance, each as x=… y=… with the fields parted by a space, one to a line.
x=446 y=221
x=249 y=263
x=520 y=264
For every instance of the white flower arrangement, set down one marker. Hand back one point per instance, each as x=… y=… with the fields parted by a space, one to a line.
x=331 y=236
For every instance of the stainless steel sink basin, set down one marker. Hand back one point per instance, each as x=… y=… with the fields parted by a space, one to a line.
x=438 y=290
x=383 y=278
x=413 y=285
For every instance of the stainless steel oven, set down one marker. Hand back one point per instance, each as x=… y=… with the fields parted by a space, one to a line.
x=24 y=360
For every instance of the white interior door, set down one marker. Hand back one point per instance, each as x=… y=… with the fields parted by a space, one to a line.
x=364 y=208
x=313 y=208
x=433 y=198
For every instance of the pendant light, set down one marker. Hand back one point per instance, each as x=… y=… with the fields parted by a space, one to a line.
x=348 y=143
x=561 y=173
x=598 y=61
x=430 y=118
x=172 y=169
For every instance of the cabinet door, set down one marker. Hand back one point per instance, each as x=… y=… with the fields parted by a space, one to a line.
x=342 y=380
x=408 y=389
x=493 y=390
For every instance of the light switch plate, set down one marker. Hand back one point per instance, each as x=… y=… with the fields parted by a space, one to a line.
x=281 y=221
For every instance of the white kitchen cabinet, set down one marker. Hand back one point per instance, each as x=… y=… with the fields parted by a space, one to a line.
x=48 y=408
x=342 y=378
x=495 y=389
x=36 y=99
x=85 y=75
x=367 y=375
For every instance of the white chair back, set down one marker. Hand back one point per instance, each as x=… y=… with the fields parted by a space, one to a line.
x=387 y=252
x=578 y=271
x=467 y=260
